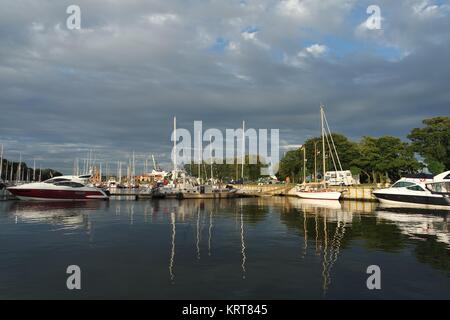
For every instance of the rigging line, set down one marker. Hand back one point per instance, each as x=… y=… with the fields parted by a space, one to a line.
x=331 y=152
x=332 y=141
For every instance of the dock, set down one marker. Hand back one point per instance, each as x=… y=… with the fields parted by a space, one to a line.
x=356 y=193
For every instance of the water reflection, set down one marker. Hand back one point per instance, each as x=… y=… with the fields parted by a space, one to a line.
x=334 y=226
x=67 y=215
x=198 y=234
x=172 y=252
x=210 y=232
x=419 y=224
x=250 y=243
x=244 y=257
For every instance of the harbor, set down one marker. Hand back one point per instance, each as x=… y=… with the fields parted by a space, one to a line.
x=225 y=155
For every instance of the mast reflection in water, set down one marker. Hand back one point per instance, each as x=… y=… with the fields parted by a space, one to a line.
x=266 y=248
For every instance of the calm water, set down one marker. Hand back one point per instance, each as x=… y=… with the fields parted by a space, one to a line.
x=267 y=248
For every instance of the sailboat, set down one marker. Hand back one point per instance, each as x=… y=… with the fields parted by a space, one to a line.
x=320 y=190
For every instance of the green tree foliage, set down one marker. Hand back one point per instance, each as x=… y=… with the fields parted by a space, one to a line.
x=292 y=163
x=385 y=157
x=375 y=158
x=226 y=172
x=432 y=142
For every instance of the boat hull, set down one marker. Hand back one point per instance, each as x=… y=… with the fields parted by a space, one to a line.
x=415 y=200
x=57 y=195
x=329 y=195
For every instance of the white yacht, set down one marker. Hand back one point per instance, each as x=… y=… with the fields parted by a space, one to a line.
x=423 y=191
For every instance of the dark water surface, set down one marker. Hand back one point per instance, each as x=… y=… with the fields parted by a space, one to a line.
x=266 y=248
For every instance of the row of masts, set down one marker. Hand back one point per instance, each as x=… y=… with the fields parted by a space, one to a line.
x=21 y=173
x=125 y=171
x=200 y=158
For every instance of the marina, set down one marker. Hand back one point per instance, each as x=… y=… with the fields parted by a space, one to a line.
x=225 y=155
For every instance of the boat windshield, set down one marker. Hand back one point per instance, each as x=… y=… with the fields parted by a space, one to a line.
x=402 y=184
x=415 y=188
x=71 y=184
x=55 y=180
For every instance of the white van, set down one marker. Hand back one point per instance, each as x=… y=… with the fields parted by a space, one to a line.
x=339 y=178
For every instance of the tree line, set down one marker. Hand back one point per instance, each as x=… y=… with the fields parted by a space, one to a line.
x=230 y=170
x=376 y=159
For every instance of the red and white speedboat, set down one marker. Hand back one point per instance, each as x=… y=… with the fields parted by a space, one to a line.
x=69 y=188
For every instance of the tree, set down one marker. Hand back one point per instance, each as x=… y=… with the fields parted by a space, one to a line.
x=231 y=169
x=433 y=143
x=291 y=165
x=385 y=156
x=346 y=149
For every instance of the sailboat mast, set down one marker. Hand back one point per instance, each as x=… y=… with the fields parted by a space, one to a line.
x=11 y=173
x=199 y=158
x=154 y=162
x=243 y=150
x=1 y=163
x=174 y=144
x=18 y=177
x=120 y=172
x=133 y=168
x=210 y=155
x=323 y=141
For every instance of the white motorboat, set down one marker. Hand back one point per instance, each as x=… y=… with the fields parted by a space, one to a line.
x=419 y=191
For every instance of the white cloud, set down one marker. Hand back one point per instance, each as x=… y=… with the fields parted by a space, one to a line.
x=426 y=9
x=294 y=8
x=161 y=18
x=316 y=50
x=251 y=36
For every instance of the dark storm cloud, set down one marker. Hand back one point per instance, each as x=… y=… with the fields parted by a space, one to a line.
x=115 y=85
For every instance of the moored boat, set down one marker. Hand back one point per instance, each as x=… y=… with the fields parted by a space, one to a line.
x=413 y=191
x=68 y=188
x=317 y=191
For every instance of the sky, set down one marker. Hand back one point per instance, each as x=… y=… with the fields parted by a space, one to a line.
x=115 y=85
